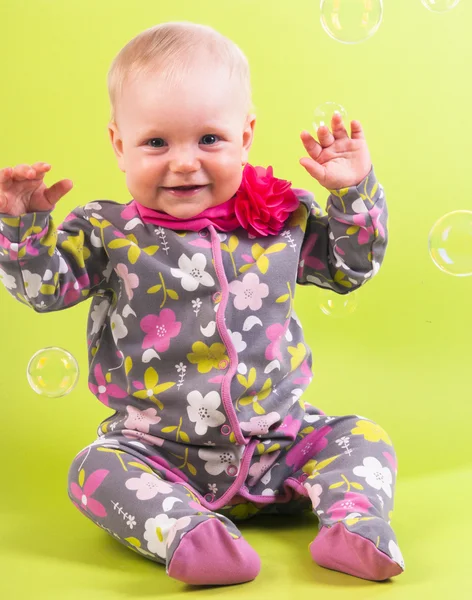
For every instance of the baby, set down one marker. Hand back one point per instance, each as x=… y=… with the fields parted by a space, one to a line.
x=193 y=342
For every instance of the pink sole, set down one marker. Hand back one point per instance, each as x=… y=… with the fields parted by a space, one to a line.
x=338 y=549
x=208 y=555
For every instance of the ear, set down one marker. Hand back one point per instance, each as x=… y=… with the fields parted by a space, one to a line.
x=248 y=136
x=117 y=144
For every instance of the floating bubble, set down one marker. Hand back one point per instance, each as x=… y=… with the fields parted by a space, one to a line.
x=351 y=21
x=324 y=112
x=440 y=6
x=52 y=372
x=337 y=305
x=450 y=243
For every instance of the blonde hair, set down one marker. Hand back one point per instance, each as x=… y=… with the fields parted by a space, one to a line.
x=172 y=49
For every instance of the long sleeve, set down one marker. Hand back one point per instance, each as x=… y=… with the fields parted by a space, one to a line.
x=49 y=267
x=345 y=248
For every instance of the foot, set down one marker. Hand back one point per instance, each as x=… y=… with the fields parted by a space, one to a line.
x=339 y=549
x=209 y=555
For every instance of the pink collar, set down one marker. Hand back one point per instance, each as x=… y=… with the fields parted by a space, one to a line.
x=261 y=205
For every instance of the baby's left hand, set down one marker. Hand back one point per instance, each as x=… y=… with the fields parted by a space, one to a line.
x=337 y=161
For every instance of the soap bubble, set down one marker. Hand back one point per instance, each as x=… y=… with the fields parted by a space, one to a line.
x=440 y=6
x=52 y=372
x=324 y=112
x=339 y=305
x=351 y=21
x=450 y=243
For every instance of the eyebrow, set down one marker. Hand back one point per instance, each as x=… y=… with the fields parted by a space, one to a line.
x=159 y=131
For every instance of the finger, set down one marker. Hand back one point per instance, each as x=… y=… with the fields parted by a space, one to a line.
x=58 y=190
x=311 y=145
x=337 y=125
x=357 y=133
x=5 y=174
x=24 y=171
x=325 y=137
x=314 y=169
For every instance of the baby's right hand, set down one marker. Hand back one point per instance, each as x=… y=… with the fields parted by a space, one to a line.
x=22 y=189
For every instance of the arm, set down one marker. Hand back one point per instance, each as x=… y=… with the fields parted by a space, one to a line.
x=47 y=267
x=345 y=248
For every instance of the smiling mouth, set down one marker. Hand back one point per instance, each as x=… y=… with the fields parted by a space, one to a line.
x=185 y=187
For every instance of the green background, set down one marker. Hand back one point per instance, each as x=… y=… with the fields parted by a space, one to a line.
x=402 y=358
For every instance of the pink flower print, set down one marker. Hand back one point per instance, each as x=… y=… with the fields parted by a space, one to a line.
x=365 y=232
x=131 y=280
x=140 y=420
x=84 y=495
x=311 y=445
x=353 y=502
x=129 y=212
x=72 y=291
x=258 y=469
x=160 y=329
x=306 y=260
x=305 y=369
x=314 y=491
x=290 y=427
x=249 y=292
x=260 y=425
x=180 y=524
x=147 y=486
x=275 y=333
x=105 y=389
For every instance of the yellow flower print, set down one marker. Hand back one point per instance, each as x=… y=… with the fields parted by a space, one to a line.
x=50 y=239
x=255 y=398
x=299 y=217
x=208 y=358
x=298 y=354
x=243 y=511
x=371 y=432
x=151 y=380
x=74 y=244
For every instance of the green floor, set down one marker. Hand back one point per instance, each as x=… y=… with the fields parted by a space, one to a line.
x=60 y=555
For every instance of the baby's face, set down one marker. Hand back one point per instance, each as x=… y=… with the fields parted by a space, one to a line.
x=196 y=133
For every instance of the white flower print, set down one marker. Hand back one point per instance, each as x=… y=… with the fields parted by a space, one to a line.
x=7 y=280
x=396 y=554
x=225 y=460
x=249 y=292
x=156 y=533
x=147 y=486
x=378 y=477
x=238 y=342
x=33 y=283
x=192 y=271
x=212 y=487
x=98 y=315
x=118 y=328
x=202 y=411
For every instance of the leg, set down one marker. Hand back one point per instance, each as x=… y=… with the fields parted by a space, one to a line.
x=351 y=483
x=160 y=520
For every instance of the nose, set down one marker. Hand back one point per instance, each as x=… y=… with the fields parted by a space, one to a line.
x=184 y=161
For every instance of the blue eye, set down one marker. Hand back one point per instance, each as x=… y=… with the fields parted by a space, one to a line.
x=160 y=145
x=210 y=136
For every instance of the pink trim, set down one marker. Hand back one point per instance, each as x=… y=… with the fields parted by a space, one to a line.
x=233 y=355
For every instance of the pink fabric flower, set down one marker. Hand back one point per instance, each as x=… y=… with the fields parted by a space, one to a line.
x=140 y=420
x=260 y=425
x=263 y=202
x=290 y=427
x=309 y=447
x=84 y=495
x=249 y=292
x=352 y=502
x=105 y=389
x=275 y=333
x=307 y=374
x=131 y=280
x=160 y=329
x=258 y=469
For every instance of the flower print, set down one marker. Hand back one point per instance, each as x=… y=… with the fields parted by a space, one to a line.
x=8 y=280
x=263 y=203
x=192 y=272
x=396 y=553
x=103 y=389
x=249 y=292
x=180 y=524
x=260 y=467
x=140 y=420
x=160 y=330
x=208 y=358
x=118 y=328
x=202 y=411
x=311 y=445
x=255 y=398
x=83 y=491
x=275 y=333
x=213 y=488
x=226 y=460
x=308 y=256
x=371 y=432
x=170 y=473
x=314 y=492
x=152 y=387
x=98 y=315
x=306 y=372
x=238 y=342
x=131 y=280
x=260 y=425
x=74 y=244
x=33 y=283
x=196 y=305
x=352 y=502
x=181 y=368
x=377 y=476
x=147 y=486
x=290 y=427
x=156 y=532
x=359 y=224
